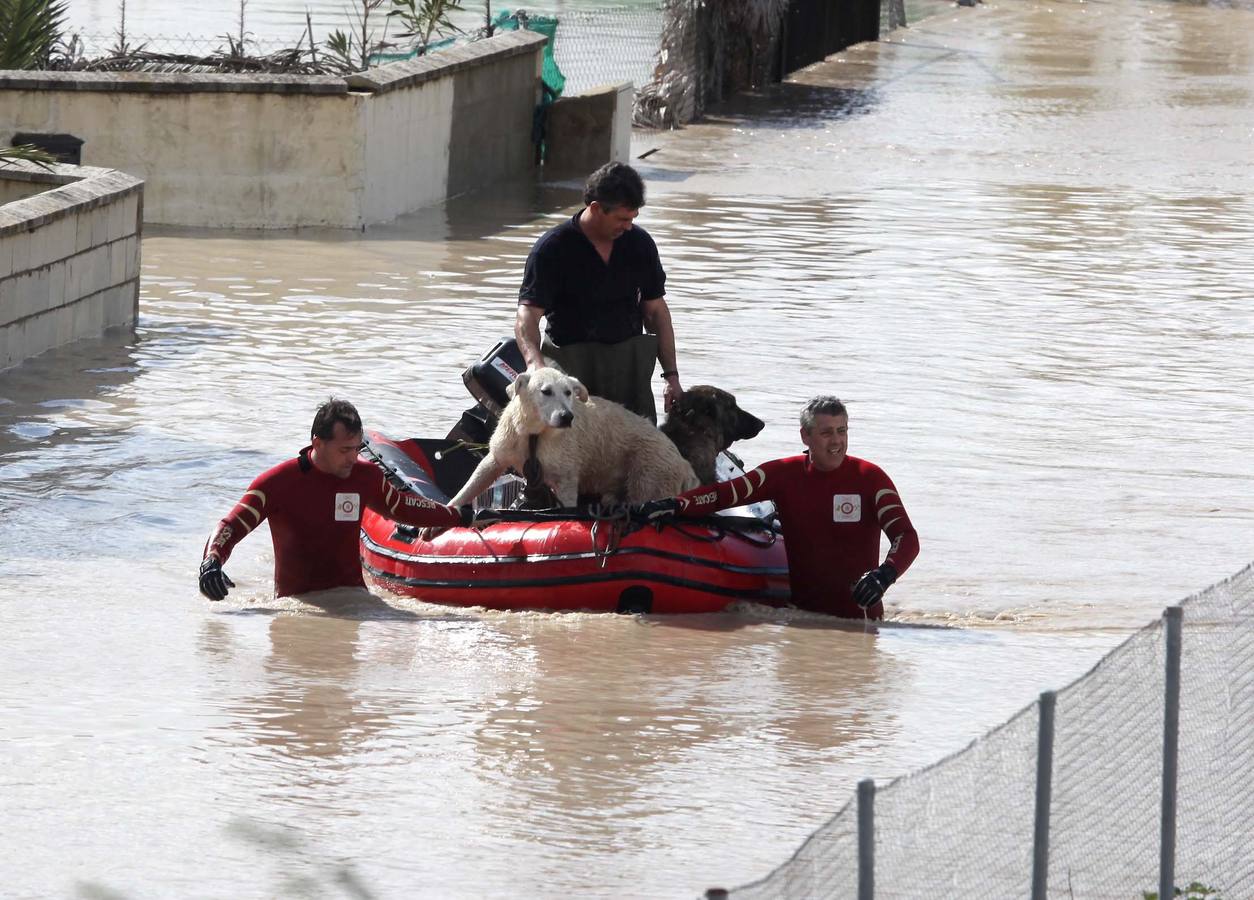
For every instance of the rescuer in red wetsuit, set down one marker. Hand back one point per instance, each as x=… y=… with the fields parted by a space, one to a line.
x=832 y=507
x=314 y=505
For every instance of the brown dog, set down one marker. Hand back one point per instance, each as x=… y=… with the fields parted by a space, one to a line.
x=704 y=421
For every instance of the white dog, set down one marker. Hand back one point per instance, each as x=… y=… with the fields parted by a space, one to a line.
x=586 y=445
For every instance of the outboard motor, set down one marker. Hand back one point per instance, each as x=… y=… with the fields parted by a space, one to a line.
x=487 y=380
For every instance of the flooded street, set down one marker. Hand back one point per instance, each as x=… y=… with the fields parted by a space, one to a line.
x=1015 y=239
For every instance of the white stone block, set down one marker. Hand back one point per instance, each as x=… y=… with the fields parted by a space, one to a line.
x=40 y=333
x=8 y=290
x=89 y=272
x=40 y=250
x=27 y=296
x=99 y=225
x=6 y=256
x=74 y=277
x=117 y=262
x=119 y=225
x=9 y=342
x=63 y=322
x=119 y=306
x=21 y=252
x=56 y=282
x=37 y=291
x=89 y=318
x=17 y=298
x=101 y=270
x=134 y=248
x=82 y=221
x=130 y=205
x=52 y=241
x=67 y=241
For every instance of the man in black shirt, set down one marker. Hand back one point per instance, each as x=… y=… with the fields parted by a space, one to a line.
x=597 y=281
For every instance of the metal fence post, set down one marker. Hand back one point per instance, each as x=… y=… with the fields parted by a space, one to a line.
x=1044 y=793
x=1174 y=616
x=866 y=839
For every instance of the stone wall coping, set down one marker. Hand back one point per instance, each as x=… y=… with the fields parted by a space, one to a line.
x=72 y=189
x=170 y=82
x=598 y=90
x=379 y=79
x=408 y=72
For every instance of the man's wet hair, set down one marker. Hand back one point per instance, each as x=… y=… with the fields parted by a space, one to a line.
x=335 y=410
x=823 y=405
x=613 y=185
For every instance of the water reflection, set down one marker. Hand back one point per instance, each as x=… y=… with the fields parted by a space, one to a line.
x=311 y=706
x=796 y=105
x=612 y=709
x=66 y=395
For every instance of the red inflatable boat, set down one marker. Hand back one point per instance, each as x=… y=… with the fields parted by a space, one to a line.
x=558 y=559
x=563 y=559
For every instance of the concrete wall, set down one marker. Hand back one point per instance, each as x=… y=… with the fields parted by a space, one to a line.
x=69 y=256
x=585 y=131
x=489 y=135
x=284 y=151
x=12 y=189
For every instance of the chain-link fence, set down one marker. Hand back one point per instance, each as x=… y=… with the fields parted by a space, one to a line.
x=606 y=46
x=1136 y=778
x=592 y=46
x=681 y=55
x=97 y=45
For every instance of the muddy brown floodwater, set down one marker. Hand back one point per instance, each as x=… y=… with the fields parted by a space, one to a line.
x=1015 y=238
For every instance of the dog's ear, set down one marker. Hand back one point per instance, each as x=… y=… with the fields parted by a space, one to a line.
x=695 y=407
x=581 y=392
x=517 y=385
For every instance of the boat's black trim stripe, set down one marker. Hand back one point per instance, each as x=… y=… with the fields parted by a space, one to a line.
x=431 y=559
x=590 y=578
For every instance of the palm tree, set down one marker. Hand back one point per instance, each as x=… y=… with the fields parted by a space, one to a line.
x=29 y=32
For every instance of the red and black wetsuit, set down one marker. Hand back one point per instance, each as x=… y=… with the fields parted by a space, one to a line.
x=831 y=523
x=315 y=521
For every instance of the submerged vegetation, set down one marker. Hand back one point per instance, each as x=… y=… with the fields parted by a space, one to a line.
x=33 y=35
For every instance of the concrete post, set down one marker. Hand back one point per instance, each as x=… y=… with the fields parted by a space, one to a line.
x=866 y=839
x=1044 y=793
x=1174 y=618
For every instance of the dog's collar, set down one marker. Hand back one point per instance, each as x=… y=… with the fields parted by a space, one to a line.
x=536 y=493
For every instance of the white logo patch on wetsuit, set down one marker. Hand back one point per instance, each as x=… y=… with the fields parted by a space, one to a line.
x=846 y=507
x=347 y=507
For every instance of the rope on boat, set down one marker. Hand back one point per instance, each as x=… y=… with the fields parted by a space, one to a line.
x=619 y=519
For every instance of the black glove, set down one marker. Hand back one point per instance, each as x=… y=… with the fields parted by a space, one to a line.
x=478 y=518
x=213 y=581
x=870 y=588
x=656 y=510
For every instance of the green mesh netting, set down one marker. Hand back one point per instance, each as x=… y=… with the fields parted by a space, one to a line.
x=550 y=74
x=378 y=59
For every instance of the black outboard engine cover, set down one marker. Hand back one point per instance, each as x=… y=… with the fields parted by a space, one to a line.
x=489 y=377
x=474 y=427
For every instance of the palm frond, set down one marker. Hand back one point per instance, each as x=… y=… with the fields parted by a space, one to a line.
x=27 y=153
x=29 y=32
